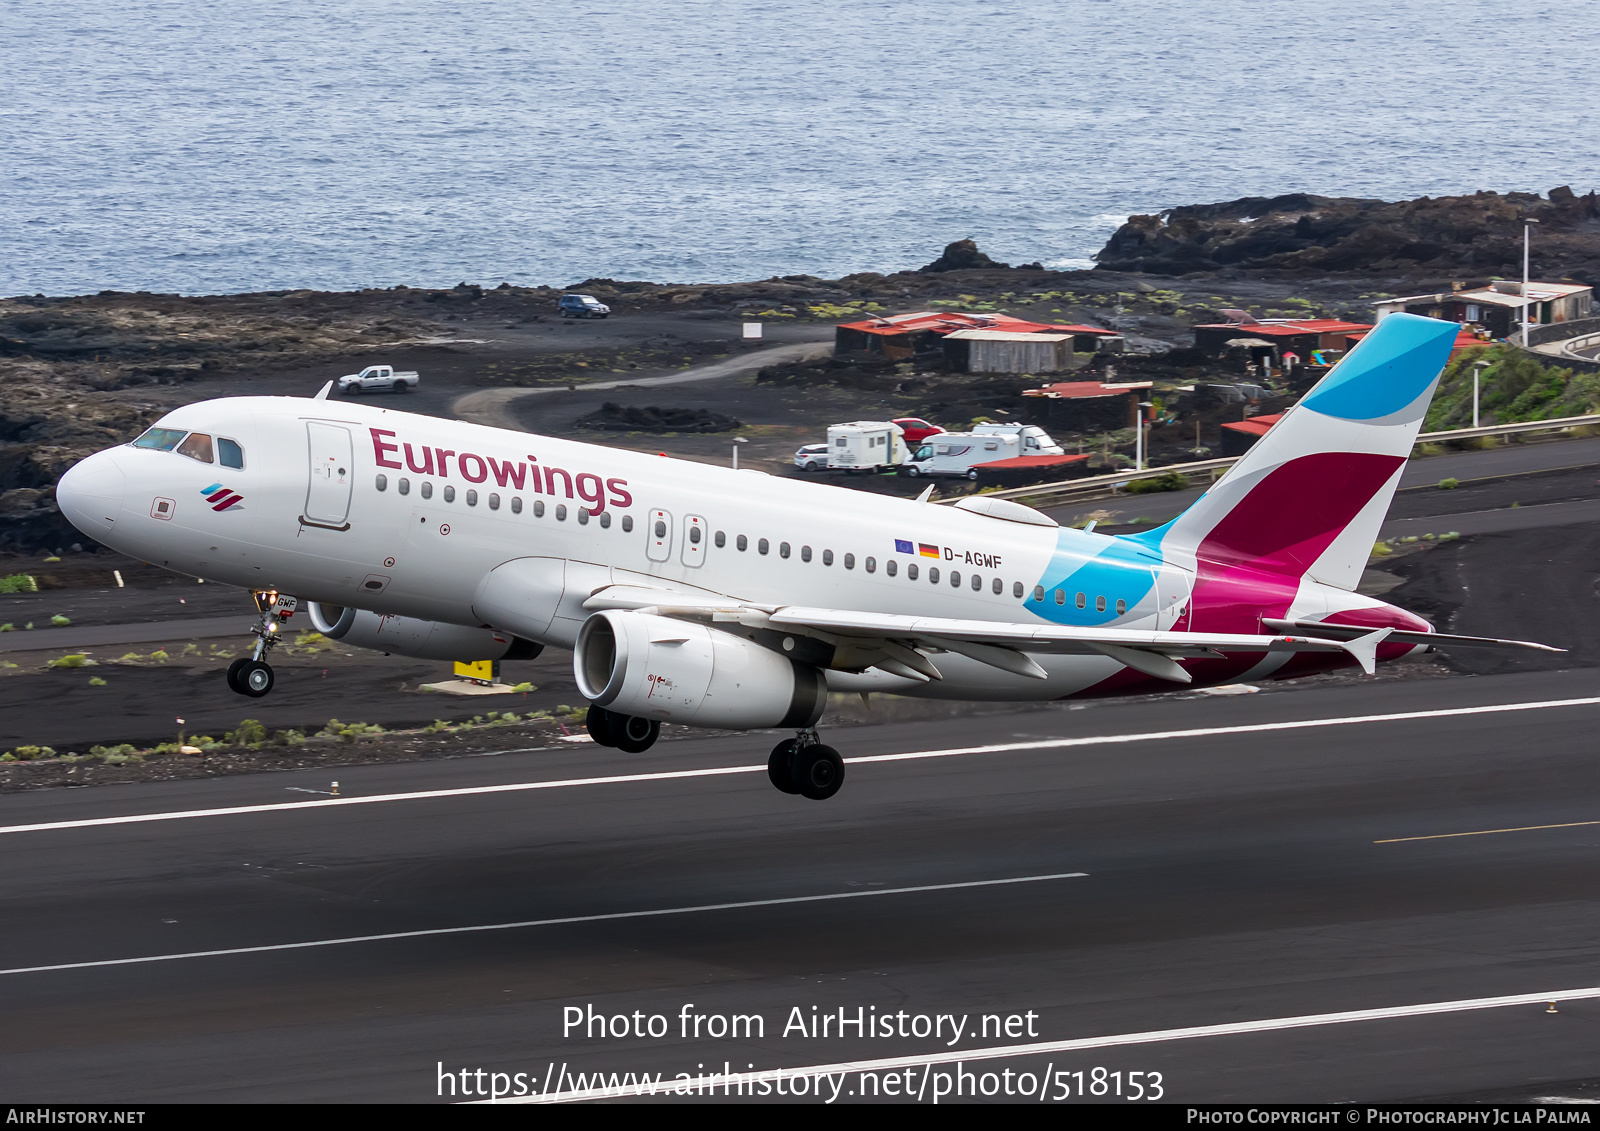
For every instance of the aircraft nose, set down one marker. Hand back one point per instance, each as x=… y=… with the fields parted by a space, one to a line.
x=90 y=494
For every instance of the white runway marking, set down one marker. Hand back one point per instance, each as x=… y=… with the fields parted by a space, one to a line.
x=530 y=923
x=723 y=771
x=1156 y=1036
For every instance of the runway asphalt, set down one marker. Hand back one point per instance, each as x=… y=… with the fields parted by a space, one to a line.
x=1229 y=875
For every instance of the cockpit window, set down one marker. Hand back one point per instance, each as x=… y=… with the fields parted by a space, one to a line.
x=229 y=453
x=161 y=439
x=197 y=446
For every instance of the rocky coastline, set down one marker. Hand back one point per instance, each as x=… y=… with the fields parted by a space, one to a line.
x=80 y=373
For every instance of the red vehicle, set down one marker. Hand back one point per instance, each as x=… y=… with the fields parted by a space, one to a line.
x=917 y=430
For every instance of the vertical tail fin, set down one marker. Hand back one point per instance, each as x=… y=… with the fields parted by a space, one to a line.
x=1309 y=497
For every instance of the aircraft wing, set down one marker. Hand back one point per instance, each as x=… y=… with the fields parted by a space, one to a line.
x=900 y=644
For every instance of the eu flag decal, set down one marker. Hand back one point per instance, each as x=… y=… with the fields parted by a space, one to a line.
x=901 y=546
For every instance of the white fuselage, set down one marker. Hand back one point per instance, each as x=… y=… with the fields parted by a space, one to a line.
x=364 y=506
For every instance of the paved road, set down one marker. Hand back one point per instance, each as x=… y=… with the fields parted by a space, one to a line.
x=177 y=631
x=493 y=406
x=1228 y=877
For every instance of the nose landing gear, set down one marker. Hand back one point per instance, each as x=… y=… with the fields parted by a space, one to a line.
x=805 y=766
x=252 y=675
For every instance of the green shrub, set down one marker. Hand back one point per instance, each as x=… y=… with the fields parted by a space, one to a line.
x=250 y=733
x=59 y=621
x=524 y=687
x=1381 y=550
x=1168 y=481
x=96 y=681
x=8 y=627
x=71 y=660
x=29 y=753
x=160 y=656
x=1449 y=484
x=19 y=583
x=348 y=732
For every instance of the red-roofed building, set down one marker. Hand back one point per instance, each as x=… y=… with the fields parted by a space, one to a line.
x=1299 y=335
x=1240 y=436
x=899 y=336
x=1088 y=406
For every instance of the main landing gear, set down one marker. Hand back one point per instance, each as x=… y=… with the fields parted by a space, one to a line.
x=627 y=733
x=805 y=766
x=252 y=675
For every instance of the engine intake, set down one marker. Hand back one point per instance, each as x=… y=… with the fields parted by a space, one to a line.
x=655 y=667
x=419 y=639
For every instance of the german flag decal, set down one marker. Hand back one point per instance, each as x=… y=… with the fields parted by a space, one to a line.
x=927 y=551
x=221 y=498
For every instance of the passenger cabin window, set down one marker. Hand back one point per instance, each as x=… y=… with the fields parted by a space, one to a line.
x=197 y=446
x=627 y=523
x=911 y=571
x=383 y=482
x=890 y=567
x=516 y=504
x=805 y=553
x=762 y=546
x=494 y=502
x=472 y=498
x=449 y=494
x=229 y=453
x=783 y=549
x=538 y=508
x=159 y=439
x=722 y=539
x=404 y=486
x=741 y=542
x=933 y=575
x=605 y=520
x=427 y=489
x=1122 y=607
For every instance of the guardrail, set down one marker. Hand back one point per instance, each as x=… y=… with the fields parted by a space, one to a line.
x=1209 y=471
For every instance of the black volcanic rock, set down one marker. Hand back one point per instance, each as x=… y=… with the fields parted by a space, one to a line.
x=963 y=255
x=1471 y=236
x=612 y=417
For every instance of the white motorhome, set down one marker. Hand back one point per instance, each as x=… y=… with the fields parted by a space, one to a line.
x=962 y=453
x=866 y=445
x=1031 y=439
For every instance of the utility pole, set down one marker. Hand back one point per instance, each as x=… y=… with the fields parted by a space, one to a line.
x=1527 y=307
x=737 y=440
x=1477 y=369
x=1138 y=437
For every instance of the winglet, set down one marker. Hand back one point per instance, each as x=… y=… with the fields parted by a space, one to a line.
x=323 y=394
x=927 y=493
x=1365 y=648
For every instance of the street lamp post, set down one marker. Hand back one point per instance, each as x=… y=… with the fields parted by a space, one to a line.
x=1527 y=306
x=1477 y=370
x=737 y=440
x=1138 y=437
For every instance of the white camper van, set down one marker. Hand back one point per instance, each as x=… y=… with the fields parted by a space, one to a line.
x=962 y=453
x=866 y=445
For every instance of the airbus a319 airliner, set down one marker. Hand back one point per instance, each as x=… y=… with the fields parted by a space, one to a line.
x=721 y=598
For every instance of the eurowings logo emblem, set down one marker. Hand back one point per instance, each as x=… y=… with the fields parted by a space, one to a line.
x=221 y=498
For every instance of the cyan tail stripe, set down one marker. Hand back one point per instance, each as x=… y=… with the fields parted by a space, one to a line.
x=1388 y=370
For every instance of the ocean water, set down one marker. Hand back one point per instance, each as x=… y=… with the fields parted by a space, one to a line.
x=202 y=146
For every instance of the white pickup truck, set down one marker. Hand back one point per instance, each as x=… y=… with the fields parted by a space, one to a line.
x=379 y=377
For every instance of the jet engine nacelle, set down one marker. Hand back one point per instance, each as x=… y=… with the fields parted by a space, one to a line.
x=419 y=639
x=655 y=667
